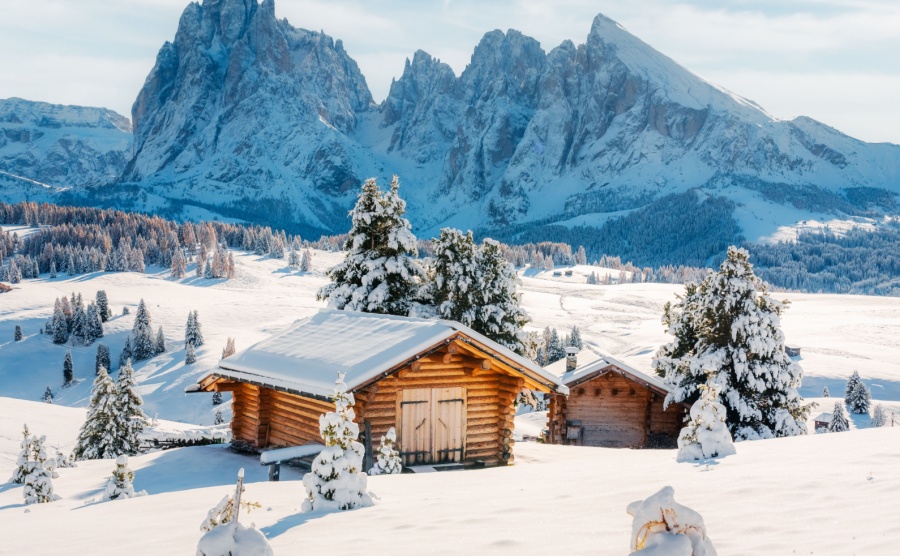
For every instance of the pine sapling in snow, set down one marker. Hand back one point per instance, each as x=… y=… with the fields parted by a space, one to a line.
x=860 y=398
x=102 y=359
x=99 y=437
x=218 y=420
x=851 y=386
x=825 y=393
x=337 y=480
x=39 y=474
x=189 y=356
x=131 y=418
x=25 y=457
x=17 y=336
x=63 y=460
x=48 y=395
x=839 y=421
x=389 y=461
x=119 y=486
x=706 y=434
x=663 y=527
x=878 y=417
x=223 y=533
x=127 y=354
x=68 y=369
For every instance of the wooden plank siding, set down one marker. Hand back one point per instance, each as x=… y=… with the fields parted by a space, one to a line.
x=482 y=423
x=612 y=411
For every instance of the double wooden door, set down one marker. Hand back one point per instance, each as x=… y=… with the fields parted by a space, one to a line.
x=432 y=425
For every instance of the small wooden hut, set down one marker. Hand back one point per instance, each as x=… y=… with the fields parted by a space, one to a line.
x=611 y=404
x=447 y=390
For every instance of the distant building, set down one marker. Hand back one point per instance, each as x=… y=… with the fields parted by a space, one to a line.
x=822 y=420
x=792 y=351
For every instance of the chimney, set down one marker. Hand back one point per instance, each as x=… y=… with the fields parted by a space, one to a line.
x=571 y=358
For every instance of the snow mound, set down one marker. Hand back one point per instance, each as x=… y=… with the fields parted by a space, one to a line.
x=234 y=541
x=663 y=527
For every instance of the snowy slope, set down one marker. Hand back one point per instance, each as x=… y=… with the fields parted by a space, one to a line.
x=837 y=333
x=61 y=146
x=834 y=494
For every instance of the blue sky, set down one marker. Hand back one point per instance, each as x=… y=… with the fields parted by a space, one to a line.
x=836 y=61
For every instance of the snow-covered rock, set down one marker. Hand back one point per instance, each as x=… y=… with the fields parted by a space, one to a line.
x=663 y=527
x=234 y=540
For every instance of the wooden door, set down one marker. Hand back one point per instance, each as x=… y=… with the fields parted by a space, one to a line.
x=448 y=424
x=415 y=426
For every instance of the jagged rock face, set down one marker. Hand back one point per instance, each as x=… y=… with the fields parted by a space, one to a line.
x=62 y=146
x=242 y=104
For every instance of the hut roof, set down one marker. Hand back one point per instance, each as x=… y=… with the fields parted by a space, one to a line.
x=823 y=418
x=307 y=356
x=593 y=364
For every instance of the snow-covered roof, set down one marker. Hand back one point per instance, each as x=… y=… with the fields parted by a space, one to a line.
x=591 y=363
x=823 y=418
x=307 y=356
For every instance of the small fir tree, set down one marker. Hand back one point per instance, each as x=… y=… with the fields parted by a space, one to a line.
x=851 y=386
x=59 y=327
x=389 y=461
x=179 y=265
x=379 y=273
x=95 y=323
x=103 y=306
x=825 y=393
x=48 y=395
x=193 y=332
x=878 y=418
x=218 y=419
x=217 y=398
x=131 y=418
x=99 y=437
x=839 y=421
x=68 y=369
x=556 y=349
x=17 y=336
x=127 y=354
x=40 y=474
x=102 y=359
x=337 y=480
x=860 y=398
x=575 y=338
x=119 y=485
x=25 y=457
x=189 y=356
x=706 y=435
x=306 y=262
x=293 y=258
x=229 y=348
x=142 y=333
x=159 y=345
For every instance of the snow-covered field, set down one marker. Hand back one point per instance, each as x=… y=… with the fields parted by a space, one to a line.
x=825 y=494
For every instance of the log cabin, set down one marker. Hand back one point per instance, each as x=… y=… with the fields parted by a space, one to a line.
x=447 y=390
x=610 y=404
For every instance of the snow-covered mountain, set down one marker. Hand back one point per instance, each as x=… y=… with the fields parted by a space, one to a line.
x=47 y=147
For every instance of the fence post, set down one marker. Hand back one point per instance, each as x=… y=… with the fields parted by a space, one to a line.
x=368 y=460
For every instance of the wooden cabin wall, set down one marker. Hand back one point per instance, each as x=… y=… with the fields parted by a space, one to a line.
x=489 y=412
x=668 y=421
x=294 y=420
x=245 y=406
x=615 y=420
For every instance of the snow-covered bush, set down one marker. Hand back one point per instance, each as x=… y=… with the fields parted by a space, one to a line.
x=839 y=421
x=389 y=461
x=99 y=437
x=337 y=480
x=729 y=323
x=63 y=460
x=40 y=471
x=225 y=536
x=860 y=398
x=379 y=273
x=706 y=434
x=119 y=486
x=663 y=527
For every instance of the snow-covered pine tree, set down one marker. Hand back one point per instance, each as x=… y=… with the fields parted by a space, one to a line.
x=193 y=332
x=48 y=395
x=17 y=335
x=706 y=435
x=575 y=337
x=860 y=399
x=131 y=418
x=63 y=461
x=102 y=359
x=52 y=270
x=218 y=420
x=389 y=462
x=208 y=272
x=119 y=485
x=293 y=257
x=851 y=386
x=25 y=457
x=142 y=333
x=217 y=398
x=878 y=417
x=94 y=326
x=159 y=346
x=839 y=421
x=68 y=369
x=60 y=327
x=229 y=266
x=229 y=348
x=79 y=322
x=201 y=261
x=454 y=280
x=179 y=265
x=126 y=354
x=674 y=359
x=103 y=306
x=306 y=261
x=499 y=314
x=825 y=393
x=556 y=350
x=189 y=356
x=337 y=480
x=379 y=273
x=99 y=435
x=739 y=338
x=40 y=472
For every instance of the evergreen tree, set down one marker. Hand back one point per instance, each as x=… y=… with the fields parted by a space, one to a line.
x=860 y=399
x=208 y=272
x=201 y=262
x=306 y=262
x=337 y=480
x=25 y=457
x=293 y=258
x=94 y=327
x=878 y=418
x=103 y=306
x=59 y=327
x=119 y=486
x=99 y=437
x=17 y=336
x=102 y=359
x=160 y=345
x=52 y=269
x=40 y=474
x=556 y=350
x=389 y=461
x=739 y=339
x=839 y=421
x=379 y=273
x=218 y=419
x=575 y=338
x=179 y=265
x=851 y=387
x=131 y=418
x=825 y=393
x=499 y=314
x=143 y=347
x=706 y=435
x=229 y=348
x=127 y=354
x=68 y=369
x=217 y=398
x=79 y=321
x=193 y=332
x=680 y=320
x=189 y=356
x=453 y=277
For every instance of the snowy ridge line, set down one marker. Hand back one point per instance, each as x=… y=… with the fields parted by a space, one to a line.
x=54 y=188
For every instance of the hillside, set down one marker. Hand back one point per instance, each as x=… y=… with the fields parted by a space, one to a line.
x=832 y=494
